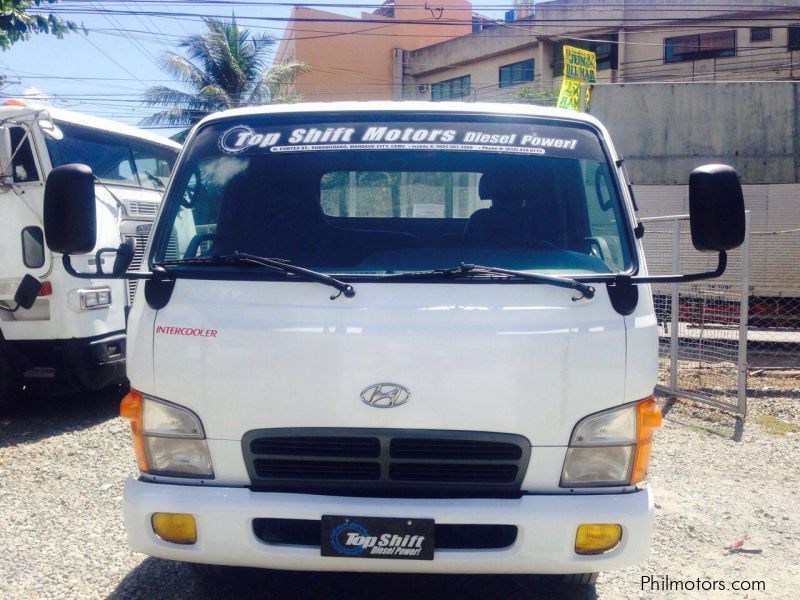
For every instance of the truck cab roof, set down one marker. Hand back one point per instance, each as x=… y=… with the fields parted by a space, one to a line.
x=471 y=108
x=21 y=112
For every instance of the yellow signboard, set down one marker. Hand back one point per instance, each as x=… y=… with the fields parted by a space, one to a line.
x=580 y=67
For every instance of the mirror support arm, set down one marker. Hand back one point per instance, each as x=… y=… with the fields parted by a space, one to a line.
x=99 y=273
x=721 y=266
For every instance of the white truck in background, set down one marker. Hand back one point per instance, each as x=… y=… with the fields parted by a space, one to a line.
x=73 y=336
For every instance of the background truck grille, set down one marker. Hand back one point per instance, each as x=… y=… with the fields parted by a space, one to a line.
x=138 y=256
x=138 y=208
x=386 y=462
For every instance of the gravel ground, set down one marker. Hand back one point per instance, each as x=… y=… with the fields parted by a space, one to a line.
x=63 y=464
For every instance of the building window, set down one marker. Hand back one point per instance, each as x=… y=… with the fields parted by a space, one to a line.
x=605 y=48
x=516 y=73
x=760 y=34
x=451 y=89
x=794 y=37
x=716 y=44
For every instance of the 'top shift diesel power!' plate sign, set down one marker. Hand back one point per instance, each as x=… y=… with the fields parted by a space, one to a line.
x=376 y=537
x=543 y=140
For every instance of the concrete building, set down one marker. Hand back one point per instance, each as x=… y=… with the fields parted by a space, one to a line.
x=354 y=58
x=635 y=41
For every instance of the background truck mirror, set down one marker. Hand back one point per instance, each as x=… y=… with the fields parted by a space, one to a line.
x=124 y=256
x=70 y=219
x=27 y=291
x=716 y=208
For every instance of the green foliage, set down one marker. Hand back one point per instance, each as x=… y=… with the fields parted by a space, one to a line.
x=17 y=24
x=542 y=97
x=223 y=67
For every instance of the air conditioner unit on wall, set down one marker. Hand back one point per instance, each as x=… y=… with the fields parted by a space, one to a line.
x=423 y=87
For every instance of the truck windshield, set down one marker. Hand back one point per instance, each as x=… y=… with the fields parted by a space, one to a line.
x=114 y=158
x=381 y=197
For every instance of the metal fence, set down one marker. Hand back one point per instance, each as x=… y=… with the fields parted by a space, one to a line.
x=774 y=303
x=702 y=325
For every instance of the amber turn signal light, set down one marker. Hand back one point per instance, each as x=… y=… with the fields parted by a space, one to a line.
x=648 y=419
x=131 y=408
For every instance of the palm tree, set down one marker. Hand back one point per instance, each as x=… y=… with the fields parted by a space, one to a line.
x=224 y=68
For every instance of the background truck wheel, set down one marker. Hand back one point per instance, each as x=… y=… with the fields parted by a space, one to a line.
x=580 y=578
x=10 y=385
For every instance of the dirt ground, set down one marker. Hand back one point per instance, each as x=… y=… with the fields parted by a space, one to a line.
x=717 y=482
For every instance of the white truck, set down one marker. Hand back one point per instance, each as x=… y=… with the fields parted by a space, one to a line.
x=401 y=337
x=73 y=335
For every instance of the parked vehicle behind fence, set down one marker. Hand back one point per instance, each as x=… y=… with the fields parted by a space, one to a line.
x=397 y=337
x=73 y=335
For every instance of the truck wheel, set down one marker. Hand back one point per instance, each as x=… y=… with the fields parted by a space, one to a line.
x=10 y=386
x=580 y=578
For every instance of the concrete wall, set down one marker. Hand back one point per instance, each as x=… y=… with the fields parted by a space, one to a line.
x=666 y=130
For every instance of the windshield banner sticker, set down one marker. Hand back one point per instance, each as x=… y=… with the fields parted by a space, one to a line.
x=567 y=142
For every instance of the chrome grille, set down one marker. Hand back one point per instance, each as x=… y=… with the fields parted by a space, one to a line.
x=140 y=208
x=136 y=263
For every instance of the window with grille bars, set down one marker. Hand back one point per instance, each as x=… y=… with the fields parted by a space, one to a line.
x=451 y=89
x=794 y=37
x=760 y=34
x=517 y=72
x=715 y=44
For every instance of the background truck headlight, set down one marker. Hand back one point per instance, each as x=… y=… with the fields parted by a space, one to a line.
x=94 y=298
x=168 y=439
x=611 y=448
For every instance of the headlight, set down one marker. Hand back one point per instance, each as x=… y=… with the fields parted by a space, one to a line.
x=611 y=448
x=168 y=439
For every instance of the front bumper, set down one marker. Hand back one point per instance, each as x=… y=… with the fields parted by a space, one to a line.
x=545 y=543
x=71 y=365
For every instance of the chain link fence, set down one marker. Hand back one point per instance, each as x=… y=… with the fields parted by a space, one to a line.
x=702 y=325
x=721 y=340
x=774 y=300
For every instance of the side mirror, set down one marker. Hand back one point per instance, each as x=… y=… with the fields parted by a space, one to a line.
x=70 y=218
x=716 y=208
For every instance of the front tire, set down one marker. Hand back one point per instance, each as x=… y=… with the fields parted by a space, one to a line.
x=580 y=578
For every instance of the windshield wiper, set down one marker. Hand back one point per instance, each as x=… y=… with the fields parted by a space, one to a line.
x=155 y=180
x=276 y=264
x=466 y=270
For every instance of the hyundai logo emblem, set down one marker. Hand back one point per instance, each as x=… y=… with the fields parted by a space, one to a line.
x=385 y=395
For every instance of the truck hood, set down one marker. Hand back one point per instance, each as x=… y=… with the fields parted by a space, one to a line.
x=497 y=357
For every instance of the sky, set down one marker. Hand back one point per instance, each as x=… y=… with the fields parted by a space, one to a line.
x=105 y=72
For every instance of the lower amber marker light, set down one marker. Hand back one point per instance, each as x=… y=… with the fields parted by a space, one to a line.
x=596 y=538
x=178 y=528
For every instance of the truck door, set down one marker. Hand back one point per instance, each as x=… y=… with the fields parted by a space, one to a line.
x=22 y=247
